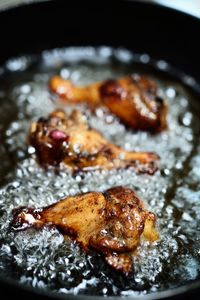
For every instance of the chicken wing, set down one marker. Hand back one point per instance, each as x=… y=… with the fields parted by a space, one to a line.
x=69 y=139
x=134 y=99
x=111 y=223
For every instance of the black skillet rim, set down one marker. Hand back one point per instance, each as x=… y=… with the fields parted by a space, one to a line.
x=13 y=284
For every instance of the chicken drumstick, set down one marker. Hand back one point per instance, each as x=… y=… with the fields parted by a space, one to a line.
x=133 y=99
x=110 y=223
x=69 y=139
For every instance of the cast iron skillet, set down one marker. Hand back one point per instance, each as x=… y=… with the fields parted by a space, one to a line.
x=139 y=26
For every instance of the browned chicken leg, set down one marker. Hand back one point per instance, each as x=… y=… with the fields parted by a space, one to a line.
x=110 y=223
x=69 y=139
x=134 y=99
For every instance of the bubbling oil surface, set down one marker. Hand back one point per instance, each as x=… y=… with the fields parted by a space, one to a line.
x=42 y=258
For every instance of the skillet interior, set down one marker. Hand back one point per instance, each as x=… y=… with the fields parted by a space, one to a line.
x=142 y=38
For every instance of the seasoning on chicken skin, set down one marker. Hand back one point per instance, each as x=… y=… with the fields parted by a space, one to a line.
x=111 y=223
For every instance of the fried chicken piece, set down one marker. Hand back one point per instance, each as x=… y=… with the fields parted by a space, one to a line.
x=134 y=99
x=69 y=139
x=111 y=223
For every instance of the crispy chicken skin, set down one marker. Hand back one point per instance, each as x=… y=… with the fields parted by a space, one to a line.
x=133 y=99
x=69 y=139
x=111 y=223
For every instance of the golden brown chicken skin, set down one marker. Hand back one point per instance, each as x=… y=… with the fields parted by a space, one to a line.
x=133 y=99
x=112 y=223
x=60 y=138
